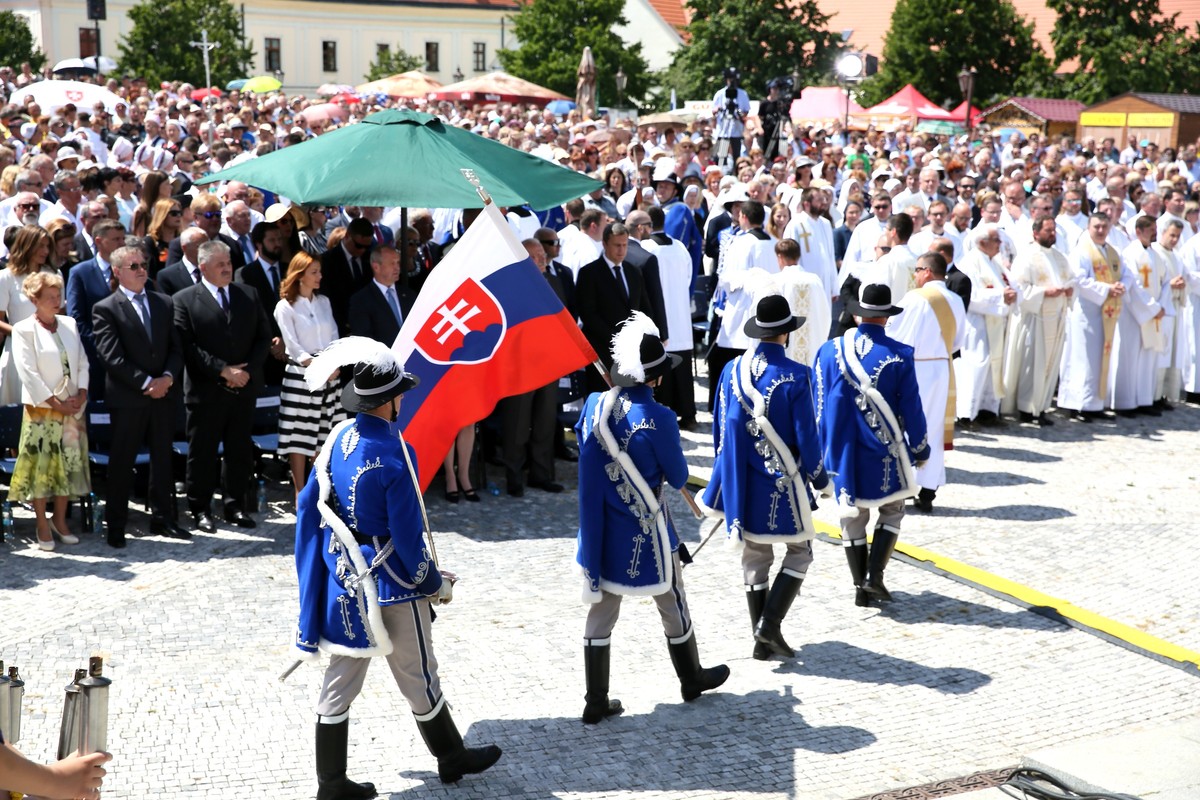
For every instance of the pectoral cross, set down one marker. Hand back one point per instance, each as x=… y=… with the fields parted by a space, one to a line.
x=1144 y=270
x=805 y=235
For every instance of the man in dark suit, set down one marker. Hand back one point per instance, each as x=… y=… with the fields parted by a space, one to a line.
x=647 y=262
x=88 y=284
x=186 y=272
x=137 y=342
x=606 y=294
x=566 y=279
x=225 y=338
x=378 y=309
x=265 y=274
x=206 y=210
x=89 y=214
x=381 y=233
x=344 y=270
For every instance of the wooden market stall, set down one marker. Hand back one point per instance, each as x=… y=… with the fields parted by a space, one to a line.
x=1047 y=117
x=1164 y=119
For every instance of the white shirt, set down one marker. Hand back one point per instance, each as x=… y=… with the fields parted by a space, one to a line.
x=675 y=274
x=306 y=326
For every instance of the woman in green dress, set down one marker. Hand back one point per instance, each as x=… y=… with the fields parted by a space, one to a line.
x=52 y=459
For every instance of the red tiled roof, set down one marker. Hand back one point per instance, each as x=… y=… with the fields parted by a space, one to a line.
x=1048 y=109
x=673 y=12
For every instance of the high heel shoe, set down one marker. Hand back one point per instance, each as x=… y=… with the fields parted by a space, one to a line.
x=471 y=495
x=65 y=538
x=452 y=497
x=46 y=544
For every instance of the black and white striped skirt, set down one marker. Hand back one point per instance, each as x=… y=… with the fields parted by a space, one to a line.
x=306 y=418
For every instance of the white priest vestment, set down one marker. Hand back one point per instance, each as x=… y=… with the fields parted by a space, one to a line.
x=675 y=274
x=1139 y=335
x=1091 y=327
x=1177 y=344
x=919 y=328
x=1038 y=329
x=896 y=270
x=815 y=237
x=979 y=368
x=806 y=295
x=1189 y=260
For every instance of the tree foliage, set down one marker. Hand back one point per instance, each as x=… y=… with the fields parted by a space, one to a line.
x=393 y=62
x=1121 y=46
x=930 y=41
x=552 y=35
x=763 y=39
x=158 y=47
x=16 y=43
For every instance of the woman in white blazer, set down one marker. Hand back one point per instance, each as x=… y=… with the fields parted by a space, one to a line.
x=52 y=459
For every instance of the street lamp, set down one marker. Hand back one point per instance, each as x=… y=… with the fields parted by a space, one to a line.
x=622 y=82
x=850 y=67
x=966 y=82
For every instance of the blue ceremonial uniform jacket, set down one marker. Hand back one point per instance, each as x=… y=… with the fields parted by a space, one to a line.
x=624 y=549
x=749 y=485
x=360 y=486
x=873 y=434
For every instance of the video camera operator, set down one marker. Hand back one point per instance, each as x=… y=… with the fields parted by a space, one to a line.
x=774 y=113
x=730 y=107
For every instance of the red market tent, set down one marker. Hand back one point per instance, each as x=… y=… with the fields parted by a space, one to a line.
x=960 y=114
x=821 y=104
x=907 y=106
x=496 y=87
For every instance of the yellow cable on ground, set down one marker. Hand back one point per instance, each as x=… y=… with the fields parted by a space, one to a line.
x=1026 y=596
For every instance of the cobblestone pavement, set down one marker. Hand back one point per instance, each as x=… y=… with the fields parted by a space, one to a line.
x=946 y=682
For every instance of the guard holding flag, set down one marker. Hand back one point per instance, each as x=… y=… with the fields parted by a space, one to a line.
x=767 y=454
x=629 y=448
x=367 y=578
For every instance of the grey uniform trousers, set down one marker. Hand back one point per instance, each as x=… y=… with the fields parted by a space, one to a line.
x=672 y=607
x=412 y=662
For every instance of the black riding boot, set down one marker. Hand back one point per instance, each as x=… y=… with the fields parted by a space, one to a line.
x=595 y=670
x=783 y=592
x=881 y=550
x=756 y=599
x=694 y=679
x=856 y=556
x=454 y=759
x=332 y=783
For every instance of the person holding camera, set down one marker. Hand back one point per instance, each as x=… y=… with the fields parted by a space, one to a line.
x=774 y=113
x=730 y=107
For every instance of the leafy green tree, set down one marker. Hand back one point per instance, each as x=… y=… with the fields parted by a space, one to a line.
x=930 y=41
x=158 y=47
x=16 y=43
x=763 y=39
x=1121 y=46
x=552 y=35
x=392 y=62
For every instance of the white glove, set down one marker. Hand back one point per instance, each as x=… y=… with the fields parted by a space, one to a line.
x=446 y=591
x=827 y=491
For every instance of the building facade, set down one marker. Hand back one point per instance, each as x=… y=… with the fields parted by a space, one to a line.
x=310 y=42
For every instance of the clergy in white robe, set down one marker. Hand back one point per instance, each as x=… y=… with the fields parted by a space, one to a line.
x=1100 y=283
x=932 y=325
x=748 y=253
x=896 y=267
x=806 y=295
x=979 y=369
x=1189 y=261
x=1139 y=338
x=1042 y=277
x=1072 y=221
x=585 y=245
x=1176 y=323
x=937 y=228
x=814 y=234
x=868 y=230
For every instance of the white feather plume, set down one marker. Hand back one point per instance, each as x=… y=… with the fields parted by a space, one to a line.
x=627 y=345
x=345 y=352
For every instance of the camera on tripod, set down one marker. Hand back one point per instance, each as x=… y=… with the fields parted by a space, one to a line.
x=732 y=76
x=785 y=87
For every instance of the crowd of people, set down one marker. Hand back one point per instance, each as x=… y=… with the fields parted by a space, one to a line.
x=1074 y=265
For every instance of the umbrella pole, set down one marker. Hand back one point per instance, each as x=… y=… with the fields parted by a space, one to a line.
x=404 y=258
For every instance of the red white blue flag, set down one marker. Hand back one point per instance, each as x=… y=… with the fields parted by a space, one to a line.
x=486 y=325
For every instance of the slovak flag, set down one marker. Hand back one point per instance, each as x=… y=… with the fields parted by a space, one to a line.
x=486 y=325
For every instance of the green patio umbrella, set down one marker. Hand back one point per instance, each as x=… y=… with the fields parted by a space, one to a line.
x=261 y=84
x=407 y=159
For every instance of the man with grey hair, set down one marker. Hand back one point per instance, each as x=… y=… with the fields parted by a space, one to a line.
x=89 y=214
x=138 y=345
x=607 y=292
x=186 y=271
x=979 y=369
x=226 y=338
x=30 y=181
x=70 y=195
